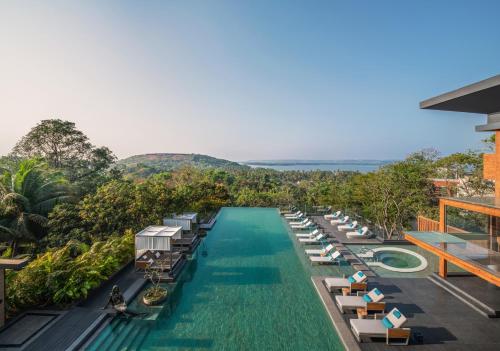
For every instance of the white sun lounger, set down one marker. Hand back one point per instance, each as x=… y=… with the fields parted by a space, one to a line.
x=332 y=216
x=328 y=259
x=340 y=221
x=350 y=226
x=314 y=240
x=303 y=226
x=389 y=327
x=338 y=283
x=299 y=222
x=349 y=303
x=360 y=233
x=295 y=217
x=289 y=215
x=320 y=252
x=308 y=235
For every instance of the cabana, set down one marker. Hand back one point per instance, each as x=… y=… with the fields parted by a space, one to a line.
x=187 y=221
x=154 y=247
x=189 y=239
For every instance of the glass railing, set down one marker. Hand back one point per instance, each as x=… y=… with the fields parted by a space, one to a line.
x=466 y=250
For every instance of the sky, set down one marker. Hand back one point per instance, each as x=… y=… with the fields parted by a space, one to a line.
x=246 y=80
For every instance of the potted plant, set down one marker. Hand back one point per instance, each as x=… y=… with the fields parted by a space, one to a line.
x=155 y=294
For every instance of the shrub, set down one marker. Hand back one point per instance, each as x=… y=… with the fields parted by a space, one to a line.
x=67 y=274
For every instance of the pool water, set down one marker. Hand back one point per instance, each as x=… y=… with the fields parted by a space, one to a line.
x=407 y=261
x=398 y=260
x=250 y=292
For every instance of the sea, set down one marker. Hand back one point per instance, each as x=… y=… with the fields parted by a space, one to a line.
x=340 y=166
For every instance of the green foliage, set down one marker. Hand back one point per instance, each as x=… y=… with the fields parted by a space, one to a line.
x=28 y=192
x=468 y=168
x=67 y=274
x=67 y=149
x=394 y=195
x=142 y=166
x=65 y=224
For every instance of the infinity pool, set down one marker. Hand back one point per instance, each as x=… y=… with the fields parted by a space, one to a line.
x=250 y=292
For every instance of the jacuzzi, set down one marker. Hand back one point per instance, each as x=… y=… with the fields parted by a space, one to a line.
x=394 y=259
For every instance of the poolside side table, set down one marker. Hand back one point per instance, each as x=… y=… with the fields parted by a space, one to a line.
x=362 y=313
x=346 y=291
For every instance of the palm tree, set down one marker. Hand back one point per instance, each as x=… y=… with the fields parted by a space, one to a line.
x=28 y=192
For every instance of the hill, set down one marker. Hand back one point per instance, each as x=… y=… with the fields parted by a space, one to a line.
x=144 y=165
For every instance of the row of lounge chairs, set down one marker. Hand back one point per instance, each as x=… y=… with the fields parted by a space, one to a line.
x=326 y=255
x=372 y=321
x=345 y=224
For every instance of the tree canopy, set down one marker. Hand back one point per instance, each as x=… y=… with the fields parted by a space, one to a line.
x=67 y=149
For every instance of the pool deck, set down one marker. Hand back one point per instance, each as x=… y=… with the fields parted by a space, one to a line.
x=65 y=331
x=445 y=322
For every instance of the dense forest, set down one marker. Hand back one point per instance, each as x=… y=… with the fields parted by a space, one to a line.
x=66 y=204
x=144 y=165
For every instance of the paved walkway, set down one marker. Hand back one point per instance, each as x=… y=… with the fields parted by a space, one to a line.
x=445 y=322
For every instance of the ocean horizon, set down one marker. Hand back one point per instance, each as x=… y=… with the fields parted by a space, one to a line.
x=363 y=166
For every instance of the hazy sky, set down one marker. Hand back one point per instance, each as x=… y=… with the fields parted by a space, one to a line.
x=247 y=79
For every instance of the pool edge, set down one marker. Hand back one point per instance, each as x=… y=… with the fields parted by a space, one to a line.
x=343 y=331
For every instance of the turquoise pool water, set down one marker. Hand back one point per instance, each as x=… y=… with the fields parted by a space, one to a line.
x=397 y=259
x=251 y=292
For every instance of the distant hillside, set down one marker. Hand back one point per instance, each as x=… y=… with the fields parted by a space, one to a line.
x=144 y=165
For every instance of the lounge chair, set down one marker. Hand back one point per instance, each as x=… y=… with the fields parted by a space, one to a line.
x=360 y=233
x=370 y=301
x=350 y=226
x=344 y=220
x=292 y=214
x=290 y=211
x=328 y=259
x=321 y=209
x=320 y=252
x=338 y=283
x=332 y=216
x=308 y=235
x=305 y=225
x=314 y=240
x=298 y=215
x=299 y=222
x=389 y=327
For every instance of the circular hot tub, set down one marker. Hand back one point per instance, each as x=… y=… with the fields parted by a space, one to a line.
x=395 y=259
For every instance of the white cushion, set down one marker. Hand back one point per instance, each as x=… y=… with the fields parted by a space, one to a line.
x=372 y=327
x=336 y=283
x=373 y=295
x=359 y=277
x=397 y=322
x=349 y=302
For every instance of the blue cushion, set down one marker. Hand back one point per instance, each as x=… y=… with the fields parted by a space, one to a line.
x=377 y=291
x=360 y=230
x=351 y=280
x=387 y=323
x=361 y=274
x=367 y=298
x=397 y=314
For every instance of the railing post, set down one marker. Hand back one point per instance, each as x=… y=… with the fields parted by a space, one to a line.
x=443 y=267
x=442 y=216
